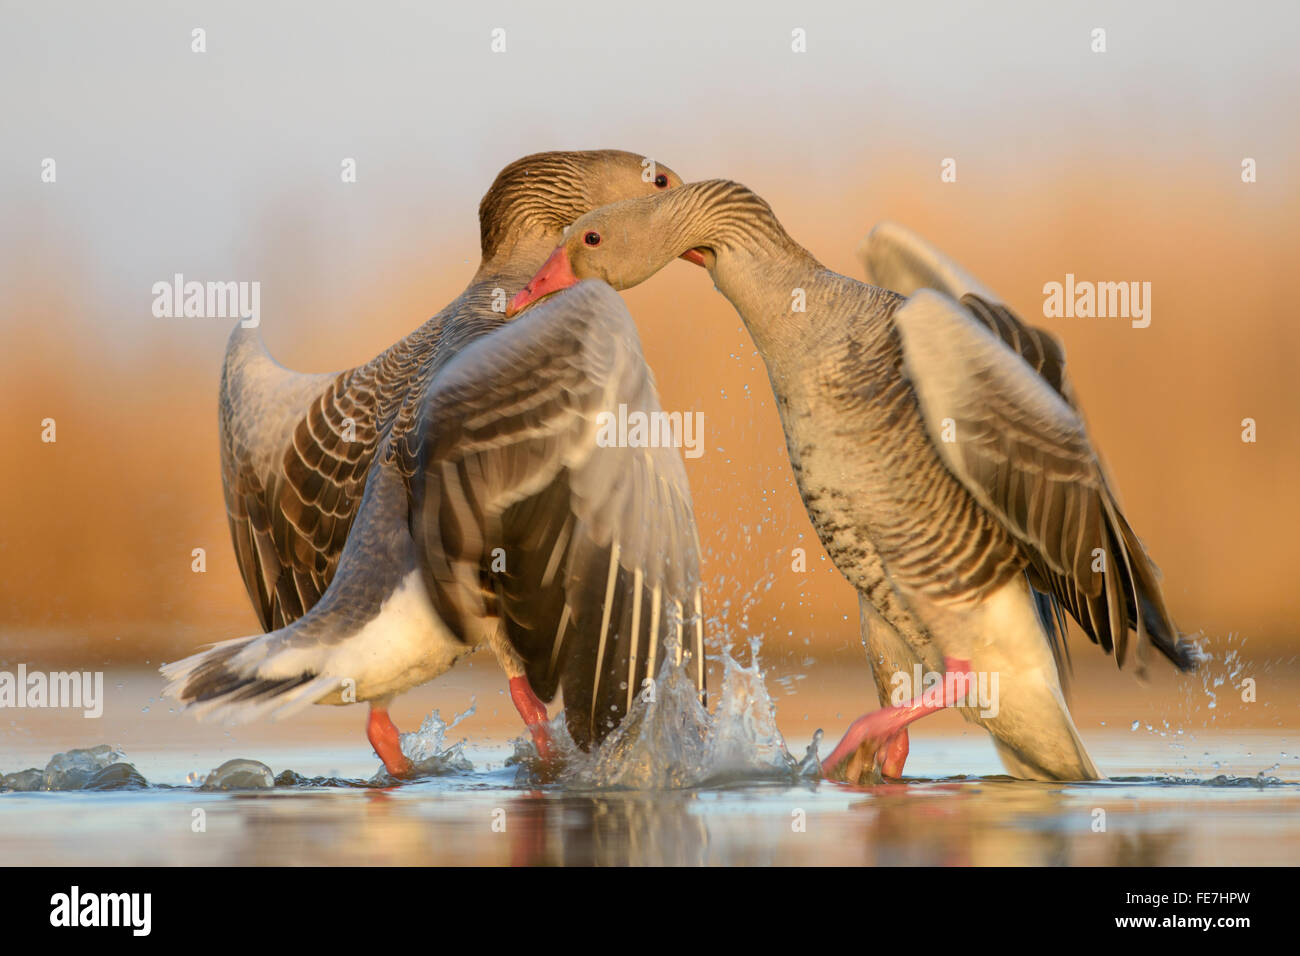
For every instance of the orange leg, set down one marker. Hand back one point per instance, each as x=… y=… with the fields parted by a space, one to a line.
x=384 y=738
x=895 y=755
x=533 y=711
x=885 y=725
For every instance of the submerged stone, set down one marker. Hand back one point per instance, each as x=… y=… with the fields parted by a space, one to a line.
x=24 y=780
x=74 y=769
x=240 y=774
x=118 y=776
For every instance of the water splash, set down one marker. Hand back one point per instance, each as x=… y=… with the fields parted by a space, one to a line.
x=1221 y=669
x=426 y=748
x=1260 y=781
x=670 y=741
x=103 y=768
x=743 y=736
x=1233 y=665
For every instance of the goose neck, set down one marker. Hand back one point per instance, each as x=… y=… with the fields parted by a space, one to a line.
x=763 y=272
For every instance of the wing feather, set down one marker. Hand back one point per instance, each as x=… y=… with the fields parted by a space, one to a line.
x=591 y=537
x=295 y=451
x=1023 y=451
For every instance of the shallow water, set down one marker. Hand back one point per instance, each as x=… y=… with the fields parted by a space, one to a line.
x=1183 y=790
x=485 y=817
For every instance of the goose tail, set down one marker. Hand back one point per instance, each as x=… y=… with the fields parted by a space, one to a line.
x=246 y=678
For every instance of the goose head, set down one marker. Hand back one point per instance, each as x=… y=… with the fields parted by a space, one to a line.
x=621 y=244
x=535 y=198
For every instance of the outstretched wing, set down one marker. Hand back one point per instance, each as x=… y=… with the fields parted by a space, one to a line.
x=588 y=551
x=1023 y=452
x=295 y=452
x=898 y=259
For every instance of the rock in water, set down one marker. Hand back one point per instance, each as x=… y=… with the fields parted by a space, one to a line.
x=74 y=769
x=23 y=781
x=240 y=774
x=118 y=776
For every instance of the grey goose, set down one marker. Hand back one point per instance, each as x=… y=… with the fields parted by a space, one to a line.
x=390 y=518
x=940 y=454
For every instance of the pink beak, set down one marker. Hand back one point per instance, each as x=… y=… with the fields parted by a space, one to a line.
x=555 y=274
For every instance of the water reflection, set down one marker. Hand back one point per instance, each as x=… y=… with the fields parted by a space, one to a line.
x=488 y=817
x=944 y=823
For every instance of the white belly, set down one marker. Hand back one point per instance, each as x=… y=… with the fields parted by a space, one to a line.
x=406 y=644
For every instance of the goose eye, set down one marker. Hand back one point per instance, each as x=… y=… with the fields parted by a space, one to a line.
x=661 y=181
x=592 y=238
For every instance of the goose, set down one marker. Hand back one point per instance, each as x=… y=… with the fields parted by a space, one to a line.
x=450 y=493
x=940 y=454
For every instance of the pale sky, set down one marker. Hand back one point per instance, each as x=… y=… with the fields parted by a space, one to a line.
x=167 y=157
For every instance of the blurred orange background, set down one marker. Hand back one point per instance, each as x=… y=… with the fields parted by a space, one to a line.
x=1122 y=166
